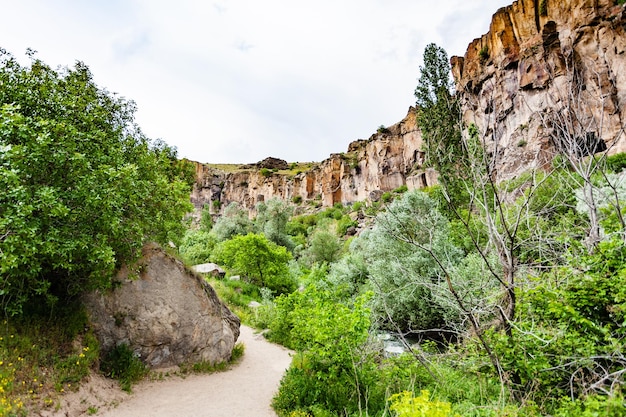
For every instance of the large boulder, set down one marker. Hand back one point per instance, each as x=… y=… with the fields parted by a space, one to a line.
x=164 y=312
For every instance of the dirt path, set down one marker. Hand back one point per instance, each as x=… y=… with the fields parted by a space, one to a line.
x=244 y=391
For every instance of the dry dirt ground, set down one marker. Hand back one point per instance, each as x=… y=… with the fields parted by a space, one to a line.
x=246 y=390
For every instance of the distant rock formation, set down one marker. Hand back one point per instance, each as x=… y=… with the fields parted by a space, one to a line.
x=166 y=314
x=512 y=77
x=390 y=158
x=268 y=163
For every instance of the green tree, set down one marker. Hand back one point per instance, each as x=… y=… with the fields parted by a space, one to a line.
x=83 y=188
x=324 y=247
x=233 y=222
x=438 y=117
x=405 y=252
x=262 y=262
x=272 y=218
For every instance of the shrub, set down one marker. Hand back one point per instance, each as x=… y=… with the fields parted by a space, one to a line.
x=483 y=54
x=122 y=364
x=405 y=404
x=196 y=246
x=265 y=172
x=327 y=336
x=401 y=189
x=617 y=162
x=297 y=199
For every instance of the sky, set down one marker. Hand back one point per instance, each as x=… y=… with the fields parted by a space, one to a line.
x=236 y=81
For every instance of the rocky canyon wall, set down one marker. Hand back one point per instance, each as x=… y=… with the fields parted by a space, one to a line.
x=540 y=59
x=387 y=160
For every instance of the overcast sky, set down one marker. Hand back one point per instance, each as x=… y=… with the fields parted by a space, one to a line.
x=235 y=81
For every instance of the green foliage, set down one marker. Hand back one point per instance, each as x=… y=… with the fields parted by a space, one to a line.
x=297 y=199
x=262 y=262
x=84 y=188
x=483 y=54
x=593 y=406
x=401 y=189
x=206 y=221
x=324 y=247
x=382 y=129
x=272 y=218
x=196 y=246
x=400 y=252
x=122 y=364
x=233 y=222
x=405 y=404
x=327 y=336
x=543 y=8
x=303 y=224
x=265 y=172
x=438 y=117
x=617 y=162
x=570 y=326
x=344 y=224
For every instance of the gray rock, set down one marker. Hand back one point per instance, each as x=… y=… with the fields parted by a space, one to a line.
x=209 y=268
x=235 y=278
x=167 y=314
x=254 y=304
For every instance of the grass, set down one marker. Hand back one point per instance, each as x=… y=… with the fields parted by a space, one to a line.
x=41 y=357
x=209 y=367
x=294 y=168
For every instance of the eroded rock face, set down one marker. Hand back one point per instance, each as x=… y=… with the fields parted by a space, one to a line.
x=167 y=315
x=514 y=76
x=390 y=158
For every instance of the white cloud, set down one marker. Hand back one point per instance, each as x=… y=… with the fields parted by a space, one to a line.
x=240 y=80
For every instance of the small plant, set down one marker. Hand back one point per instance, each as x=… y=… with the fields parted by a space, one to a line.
x=382 y=129
x=522 y=143
x=483 y=54
x=543 y=8
x=297 y=199
x=265 y=172
x=401 y=189
x=122 y=364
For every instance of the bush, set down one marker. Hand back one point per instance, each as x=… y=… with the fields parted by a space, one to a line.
x=122 y=364
x=327 y=336
x=196 y=246
x=617 y=162
x=234 y=221
x=405 y=404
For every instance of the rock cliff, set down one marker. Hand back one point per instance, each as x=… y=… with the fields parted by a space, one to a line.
x=540 y=58
x=387 y=160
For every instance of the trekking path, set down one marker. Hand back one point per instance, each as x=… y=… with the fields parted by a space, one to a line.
x=246 y=390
